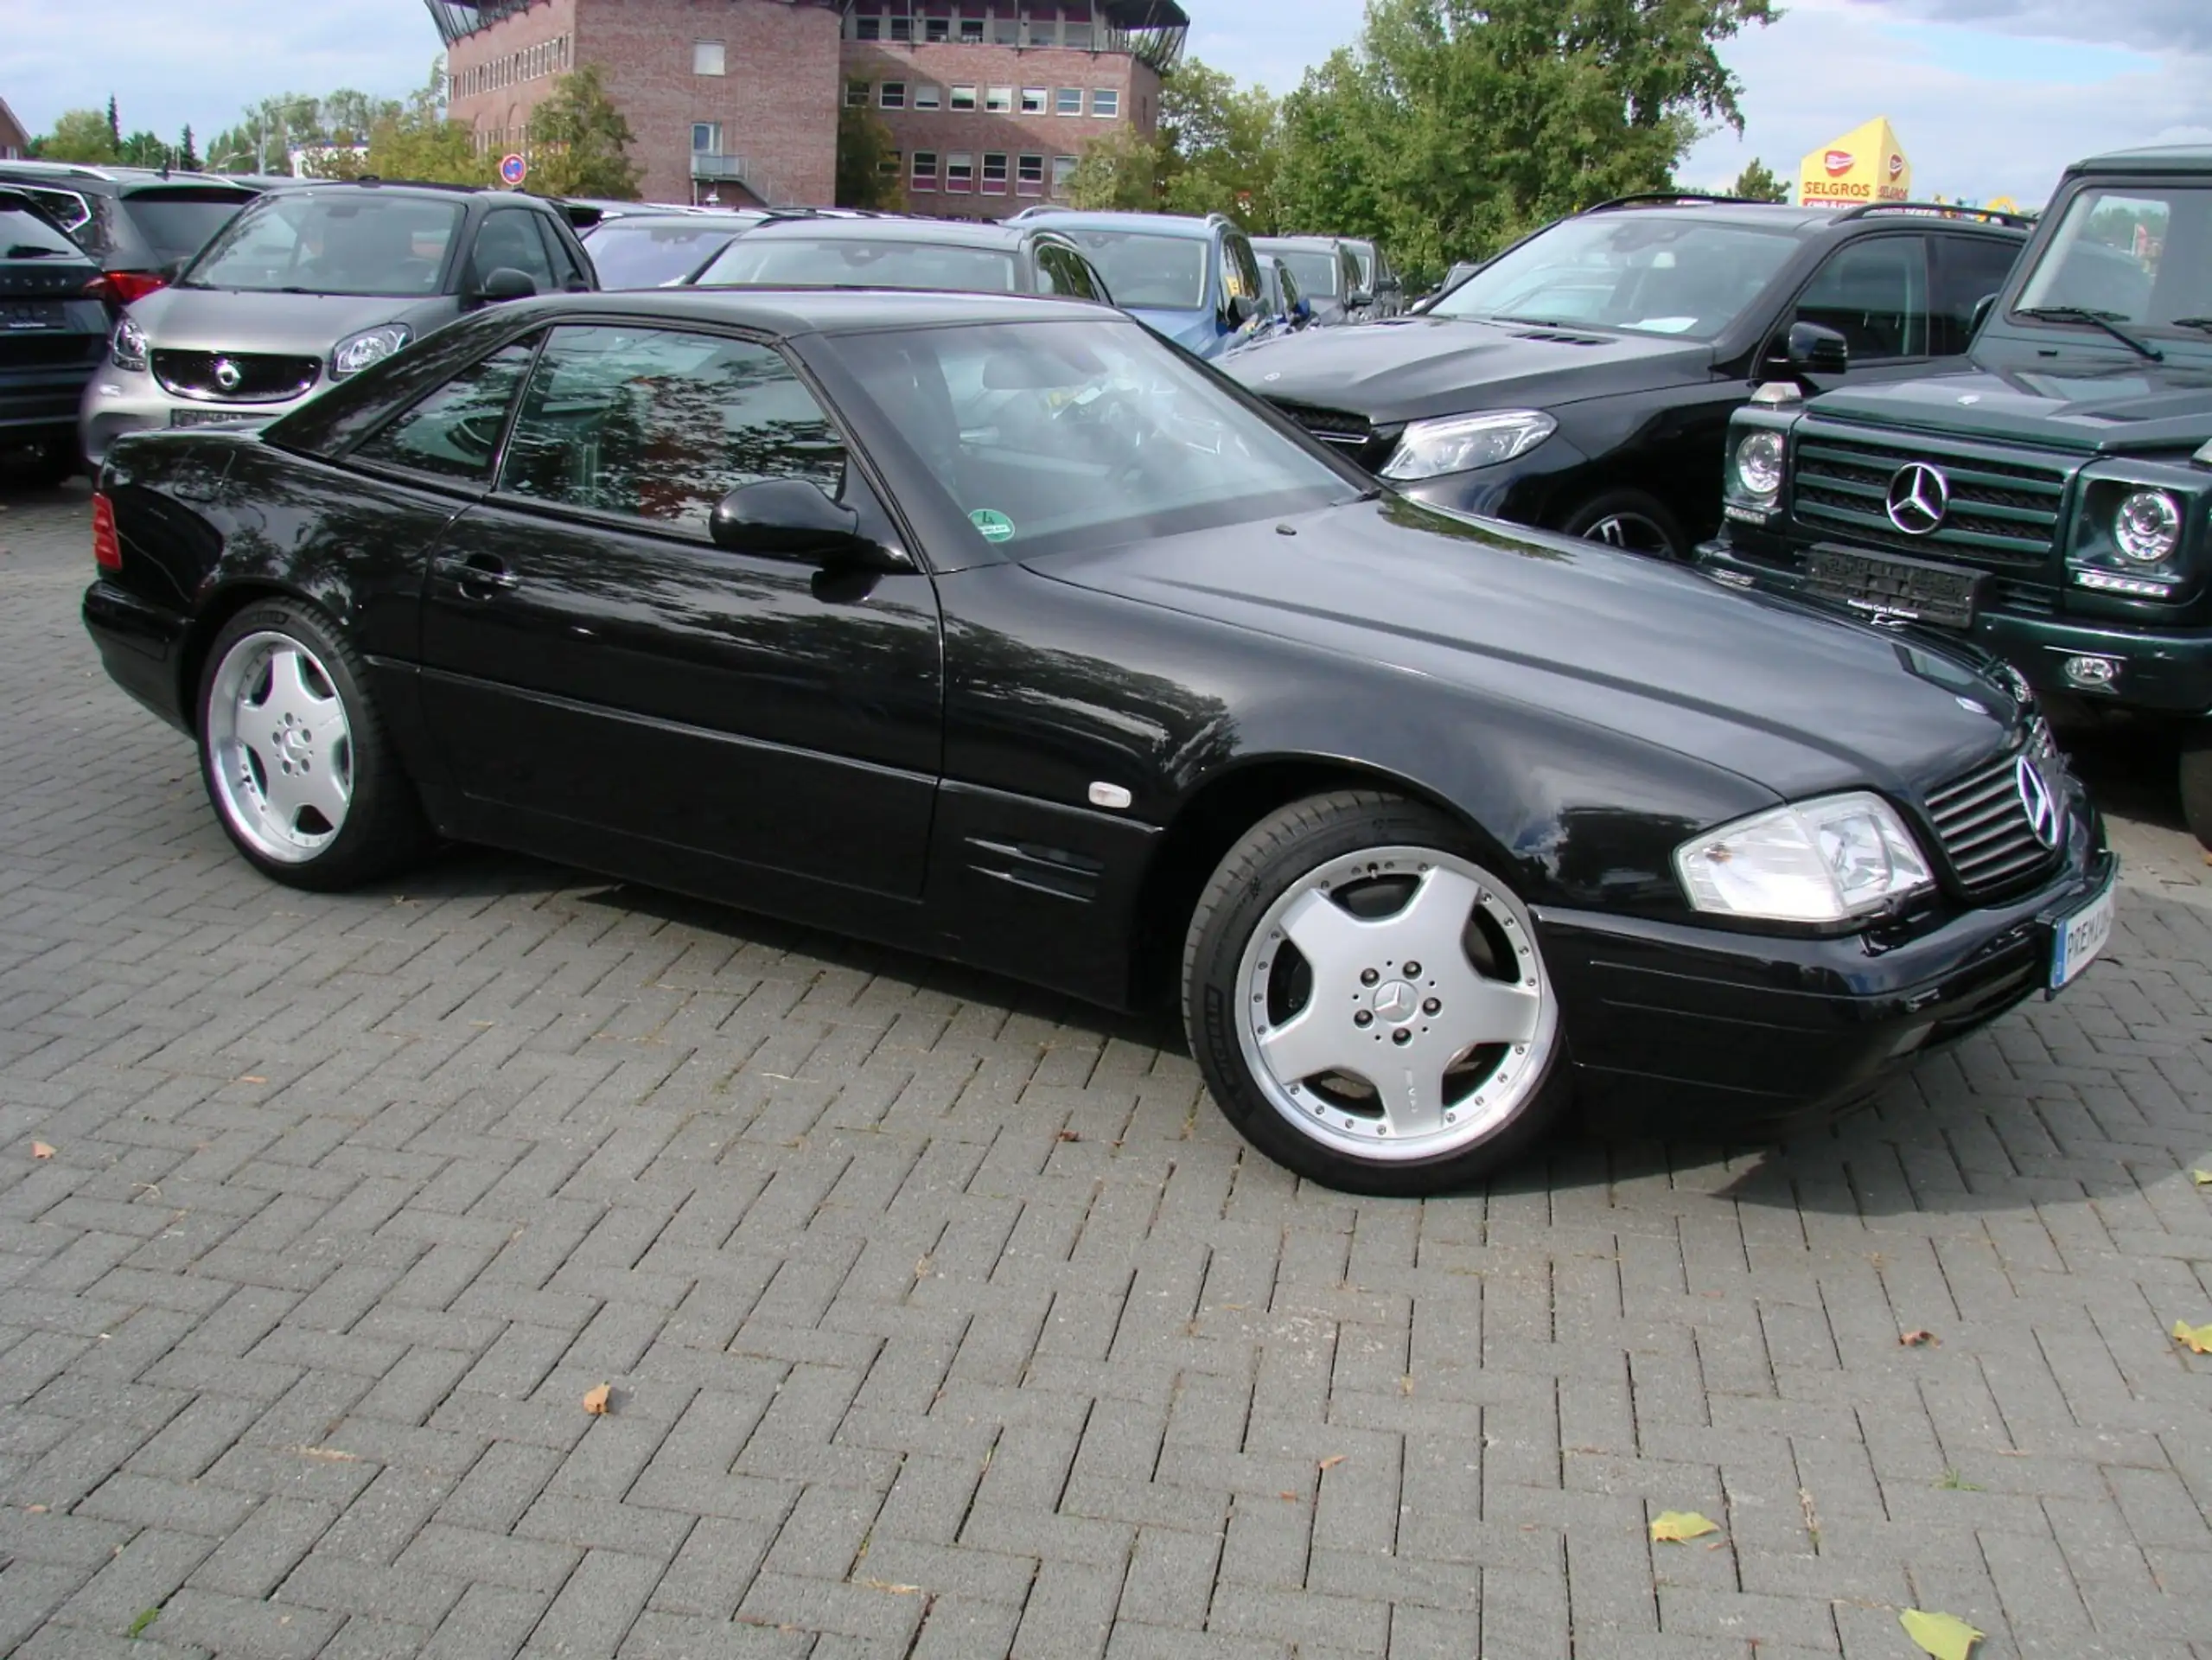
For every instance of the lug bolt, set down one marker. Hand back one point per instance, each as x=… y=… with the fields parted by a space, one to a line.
x=1413 y=971
x=1434 y=1005
x=1401 y=1036
x=1367 y=976
x=1364 y=1017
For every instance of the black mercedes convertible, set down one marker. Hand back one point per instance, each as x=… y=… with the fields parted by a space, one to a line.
x=998 y=629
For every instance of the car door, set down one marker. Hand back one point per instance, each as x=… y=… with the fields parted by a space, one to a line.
x=593 y=663
x=1874 y=293
x=1968 y=270
x=508 y=240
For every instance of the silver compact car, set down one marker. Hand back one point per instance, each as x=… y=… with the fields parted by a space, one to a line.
x=311 y=285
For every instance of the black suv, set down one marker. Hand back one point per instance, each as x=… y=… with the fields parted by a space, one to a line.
x=1583 y=381
x=53 y=333
x=2054 y=499
x=139 y=225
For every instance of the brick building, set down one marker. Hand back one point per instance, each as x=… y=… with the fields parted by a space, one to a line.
x=989 y=103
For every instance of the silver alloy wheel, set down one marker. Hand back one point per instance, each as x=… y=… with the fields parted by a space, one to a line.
x=280 y=747
x=1395 y=1005
x=1635 y=532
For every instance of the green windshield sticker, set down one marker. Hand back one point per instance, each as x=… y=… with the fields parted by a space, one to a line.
x=995 y=526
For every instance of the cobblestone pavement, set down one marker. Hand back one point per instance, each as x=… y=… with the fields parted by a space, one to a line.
x=945 y=1319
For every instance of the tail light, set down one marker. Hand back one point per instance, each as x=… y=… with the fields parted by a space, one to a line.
x=107 y=552
x=124 y=286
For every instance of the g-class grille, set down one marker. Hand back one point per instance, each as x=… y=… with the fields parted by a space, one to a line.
x=1982 y=824
x=253 y=377
x=1355 y=435
x=2002 y=511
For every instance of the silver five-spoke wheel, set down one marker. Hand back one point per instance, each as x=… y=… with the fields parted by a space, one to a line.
x=281 y=748
x=1394 y=1005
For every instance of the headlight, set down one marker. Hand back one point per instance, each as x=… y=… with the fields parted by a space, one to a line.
x=1758 y=467
x=351 y=355
x=127 y=345
x=1823 y=861
x=1453 y=443
x=2147 y=526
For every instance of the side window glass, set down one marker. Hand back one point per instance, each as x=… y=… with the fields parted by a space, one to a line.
x=657 y=424
x=1066 y=273
x=454 y=431
x=567 y=273
x=509 y=240
x=1240 y=269
x=1968 y=269
x=1875 y=295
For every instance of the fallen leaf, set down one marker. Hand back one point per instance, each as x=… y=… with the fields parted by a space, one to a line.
x=1945 y=1636
x=895 y=1590
x=1288 y=1498
x=1679 y=1527
x=597 y=1401
x=2202 y=1178
x=1069 y=1135
x=2197 y=1340
x=1333 y=1459
x=145 y=1618
x=328 y=1455
x=37 y=1509
x=1919 y=1339
x=40 y=1150
x=251 y=1078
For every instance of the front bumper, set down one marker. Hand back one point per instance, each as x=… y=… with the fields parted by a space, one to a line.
x=142 y=647
x=1709 y=1028
x=2167 y=671
x=117 y=401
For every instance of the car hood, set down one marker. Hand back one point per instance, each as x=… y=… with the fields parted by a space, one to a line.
x=2087 y=404
x=1799 y=702
x=1403 y=369
x=307 y=325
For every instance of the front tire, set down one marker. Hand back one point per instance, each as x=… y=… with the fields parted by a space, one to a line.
x=2196 y=780
x=1368 y=1003
x=297 y=766
x=1632 y=521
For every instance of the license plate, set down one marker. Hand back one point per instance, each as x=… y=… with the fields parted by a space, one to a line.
x=1885 y=586
x=32 y=313
x=2078 y=940
x=207 y=417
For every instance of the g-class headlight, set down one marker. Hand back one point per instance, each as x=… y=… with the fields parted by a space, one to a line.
x=126 y=346
x=1759 y=460
x=1454 y=444
x=356 y=353
x=2147 y=527
x=1822 y=861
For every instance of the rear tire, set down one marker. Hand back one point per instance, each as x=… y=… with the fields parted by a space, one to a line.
x=2196 y=780
x=1368 y=1003
x=1632 y=521
x=296 y=764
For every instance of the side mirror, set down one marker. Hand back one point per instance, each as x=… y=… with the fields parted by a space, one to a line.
x=1813 y=348
x=1358 y=300
x=1242 y=309
x=790 y=518
x=1390 y=285
x=1982 y=309
x=505 y=284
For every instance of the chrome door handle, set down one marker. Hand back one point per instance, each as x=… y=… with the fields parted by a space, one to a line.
x=477 y=572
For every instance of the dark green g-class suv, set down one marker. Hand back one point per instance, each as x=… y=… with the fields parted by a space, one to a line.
x=2053 y=501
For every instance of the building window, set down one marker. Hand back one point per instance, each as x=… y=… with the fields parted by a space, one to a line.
x=1028 y=175
x=706 y=137
x=960 y=171
x=902 y=29
x=924 y=175
x=964 y=98
x=927 y=95
x=994 y=174
x=1005 y=28
x=1077 y=35
x=856 y=94
x=1000 y=100
x=867 y=28
x=1035 y=101
x=1106 y=103
x=937 y=28
x=1063 y=168
x=971 y=31
x=1068 y=100
x=892 y=95
x=887 y=167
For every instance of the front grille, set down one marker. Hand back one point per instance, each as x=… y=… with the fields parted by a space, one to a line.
x=1355 y=435
x=2004 y=510
x=1982 y=824
x=263 y=378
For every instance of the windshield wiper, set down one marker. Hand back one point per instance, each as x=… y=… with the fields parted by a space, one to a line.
x=28 y=250
x=2191 y=323
x=2107 y=321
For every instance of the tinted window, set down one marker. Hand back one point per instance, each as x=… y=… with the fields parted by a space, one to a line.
x=24 y=235
x=1240 y=269
x=828 y=262
x=337 y=242
x=508 y=240
x=659 y=424
x=1316 y=272
x=1167 y=273
x=176 y=224
x=627 y=255
x=1637 y=270
x=1061 y=271
x=1875 y=295
x=454 y=431
x=2142 y=255
x=568 y=270
x=1968 y=270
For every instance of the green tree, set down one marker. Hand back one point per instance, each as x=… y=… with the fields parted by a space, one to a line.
x=1758 y=182
x=146 y=149
x=864 y=145
x=413 y=140
x=1219 y=150
x=114 y=127
x=264 y=135
x=1125 y=171
x=580 y=141
x=79 y=136
x=186 y=157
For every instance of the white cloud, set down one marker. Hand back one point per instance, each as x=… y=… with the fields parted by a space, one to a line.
x=2160 y=26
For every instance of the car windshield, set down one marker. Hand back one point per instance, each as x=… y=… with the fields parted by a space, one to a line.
x=858 y=262
x=2140 y=255
x=628 y=254
x=1630 y=270
x=1055 y=436
x=24 y=235
x=1165 y=274
x=352 y=242
x=176 y=223
x=1316 y=272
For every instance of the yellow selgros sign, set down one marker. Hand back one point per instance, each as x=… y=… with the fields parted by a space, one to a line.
x=1864 y=165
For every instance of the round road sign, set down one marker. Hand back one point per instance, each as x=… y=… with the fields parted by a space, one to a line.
x=513 y=169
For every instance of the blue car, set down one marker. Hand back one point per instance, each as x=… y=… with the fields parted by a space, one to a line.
x=1196 y=281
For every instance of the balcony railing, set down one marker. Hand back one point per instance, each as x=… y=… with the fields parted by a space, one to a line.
x=707 y=164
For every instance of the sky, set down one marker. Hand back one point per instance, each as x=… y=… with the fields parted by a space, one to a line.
x=1988 y=97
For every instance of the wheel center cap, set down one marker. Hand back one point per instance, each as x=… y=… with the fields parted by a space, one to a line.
x=1395 y=1002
